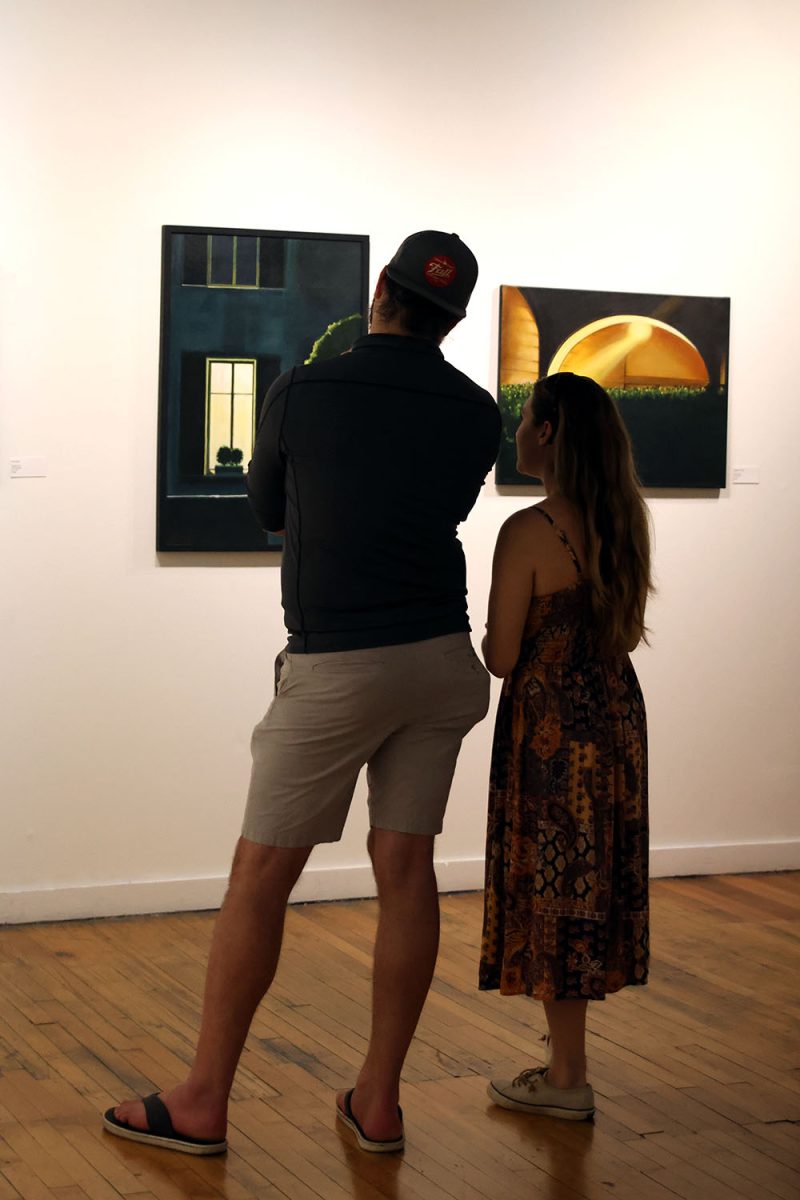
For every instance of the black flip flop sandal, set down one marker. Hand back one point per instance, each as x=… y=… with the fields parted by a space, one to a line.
x=374 y=1145
x=160 y=1131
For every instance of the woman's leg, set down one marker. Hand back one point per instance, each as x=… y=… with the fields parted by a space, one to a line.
x=566 y=1020
x=560 y=1088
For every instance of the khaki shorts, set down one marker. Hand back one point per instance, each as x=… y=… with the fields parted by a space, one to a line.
x=402 y=710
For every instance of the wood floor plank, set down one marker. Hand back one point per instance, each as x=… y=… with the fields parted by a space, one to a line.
x=768 y=1140
x=7 y=1190
x=697 y=1076
x=25 y=1182
x=741 y=1156
x=287 y=1146
x=689 y=1160
x=28 y=1150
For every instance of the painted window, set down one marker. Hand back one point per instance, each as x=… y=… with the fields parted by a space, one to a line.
x=230 y=414
x=234 y=261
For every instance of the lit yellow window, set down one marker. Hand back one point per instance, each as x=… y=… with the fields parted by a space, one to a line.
x=230 y=414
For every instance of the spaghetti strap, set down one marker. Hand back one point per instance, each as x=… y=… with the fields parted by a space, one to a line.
x=563 y=537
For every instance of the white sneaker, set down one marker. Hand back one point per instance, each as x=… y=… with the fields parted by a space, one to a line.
x=530 y=1092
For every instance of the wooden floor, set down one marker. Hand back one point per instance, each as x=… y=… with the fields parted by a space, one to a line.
x=697 y=1076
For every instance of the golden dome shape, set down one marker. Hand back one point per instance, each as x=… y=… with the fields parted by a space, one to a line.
x=632 y=351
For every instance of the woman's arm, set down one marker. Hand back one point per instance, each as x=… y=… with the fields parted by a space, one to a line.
x=510 y=597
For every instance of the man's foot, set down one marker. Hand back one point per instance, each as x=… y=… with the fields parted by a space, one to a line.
x=191 y=1114
x=377 y=1125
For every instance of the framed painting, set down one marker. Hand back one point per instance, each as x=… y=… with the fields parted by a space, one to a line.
x=664 y=359
x=238 y=308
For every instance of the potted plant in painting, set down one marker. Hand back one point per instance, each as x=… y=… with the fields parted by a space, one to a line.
x=229 y=461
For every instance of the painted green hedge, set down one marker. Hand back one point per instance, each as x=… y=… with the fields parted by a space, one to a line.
x=338 y=337
x=513 y=396
x=650 y=393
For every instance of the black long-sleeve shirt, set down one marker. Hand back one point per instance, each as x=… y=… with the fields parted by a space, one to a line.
x=369 y=462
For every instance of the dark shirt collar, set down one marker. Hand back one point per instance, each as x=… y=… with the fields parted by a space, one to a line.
x=394 y=341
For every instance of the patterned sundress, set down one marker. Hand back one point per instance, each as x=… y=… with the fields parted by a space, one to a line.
x=565 y=914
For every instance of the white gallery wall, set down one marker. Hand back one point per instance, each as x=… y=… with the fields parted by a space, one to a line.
x=610 y=144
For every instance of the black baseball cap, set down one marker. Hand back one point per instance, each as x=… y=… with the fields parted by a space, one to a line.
x=437 y=266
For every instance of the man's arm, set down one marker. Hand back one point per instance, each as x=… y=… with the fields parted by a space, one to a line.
x=266 y=474
x=485 y=452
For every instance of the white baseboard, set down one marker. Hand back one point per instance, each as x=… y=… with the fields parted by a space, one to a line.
x=727 y=858
x=139 y=897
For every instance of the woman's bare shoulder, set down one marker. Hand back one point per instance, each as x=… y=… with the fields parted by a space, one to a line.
x=522 y=540
x=526 y=523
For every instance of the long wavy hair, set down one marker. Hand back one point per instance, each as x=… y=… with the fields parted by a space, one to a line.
x=594 y=469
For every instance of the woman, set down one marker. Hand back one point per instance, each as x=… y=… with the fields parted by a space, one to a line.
x=566 y=917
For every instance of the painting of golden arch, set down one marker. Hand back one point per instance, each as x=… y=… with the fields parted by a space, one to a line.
x=662 y=358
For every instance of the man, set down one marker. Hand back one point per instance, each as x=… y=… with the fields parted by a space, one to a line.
x=369 y=462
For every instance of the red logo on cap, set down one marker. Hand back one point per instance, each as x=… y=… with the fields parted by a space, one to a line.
x=440 y=271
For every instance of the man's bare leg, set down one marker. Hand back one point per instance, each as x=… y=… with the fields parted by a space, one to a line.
x=244 y=955
x=406 y=947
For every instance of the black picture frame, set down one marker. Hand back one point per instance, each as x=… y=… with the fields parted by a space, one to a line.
x=679 y=432
x=238 y=308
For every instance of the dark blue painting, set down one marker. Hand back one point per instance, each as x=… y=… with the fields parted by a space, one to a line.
x=239 y=307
